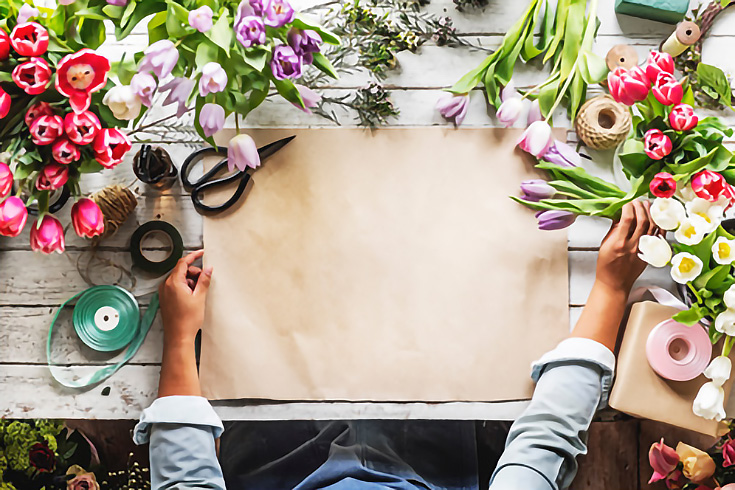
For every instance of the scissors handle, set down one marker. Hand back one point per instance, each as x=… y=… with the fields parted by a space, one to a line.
x=194 y=158
x=196 y=193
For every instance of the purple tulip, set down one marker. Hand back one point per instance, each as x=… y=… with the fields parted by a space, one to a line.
x=509 y=92
x=211 y=119
x=179 y=91
x=304 y=43
x=554 y=219
x=213 y=79
x=509 y=111
x=160 y=58
x=536 y=189
x=26 y=13
x=144 y=86
x=534 y=114
x=242 y=153
x=248 y=8
x=118 y=3
x=453 y=107
x=536 y=139
x=201 y=18
x=250 y=31
x=311 y=99
x=278 y=13
x=285 y=63
x=563 y=155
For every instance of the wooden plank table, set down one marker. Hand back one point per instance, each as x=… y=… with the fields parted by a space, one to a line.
x=32 y=286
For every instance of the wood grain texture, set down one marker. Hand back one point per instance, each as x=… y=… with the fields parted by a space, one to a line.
x=612 y=457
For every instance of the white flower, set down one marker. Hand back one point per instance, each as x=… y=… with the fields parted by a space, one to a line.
x=725 y=322
x=709 y=402
x=667 y=213
x=654 y=250
x=719 y=370
x=723 y=251
x=712 y=213
x=729 y=297
x=686 y=193
x=123 y=102
x=685 y=267
x=692 y=230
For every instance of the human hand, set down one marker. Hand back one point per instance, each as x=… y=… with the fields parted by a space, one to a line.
x=618 y=265
x=182 y=298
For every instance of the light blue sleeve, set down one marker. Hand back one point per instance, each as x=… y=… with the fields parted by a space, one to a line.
x=573 y=382
x=181 y=431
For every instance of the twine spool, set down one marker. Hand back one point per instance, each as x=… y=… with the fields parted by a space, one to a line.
x=602 y=123
x=686 y=34
x=116 y=203
x=621 y=55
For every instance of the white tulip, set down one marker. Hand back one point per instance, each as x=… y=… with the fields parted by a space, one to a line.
x=719 y=370
x=729 y=297
x=654 y=250
x=685 y=267
x=686 y=193
x=709 y=403
x=667 y=213
x=723 y=251
x=712 y=213
x=123 y=102
x=725 y=322
x=692 y=230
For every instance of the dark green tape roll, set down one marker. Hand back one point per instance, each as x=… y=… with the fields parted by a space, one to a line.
x=164 y=266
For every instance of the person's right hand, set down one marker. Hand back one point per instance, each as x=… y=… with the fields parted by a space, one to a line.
x=618 y=265
x=182 y=298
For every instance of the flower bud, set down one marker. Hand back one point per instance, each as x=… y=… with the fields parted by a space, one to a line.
x=87 y=218
x=47 y=237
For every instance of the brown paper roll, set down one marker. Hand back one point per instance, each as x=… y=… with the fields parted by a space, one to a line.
x=603 y=123
x=621 y=55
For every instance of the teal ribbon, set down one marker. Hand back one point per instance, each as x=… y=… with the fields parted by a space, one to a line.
x=130 y=330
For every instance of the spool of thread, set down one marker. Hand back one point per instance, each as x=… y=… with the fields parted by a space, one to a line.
x=602 y=123
x=621 y=55
x=106 y=319
x=686 y=34
x=677 y=352
x=117 y=203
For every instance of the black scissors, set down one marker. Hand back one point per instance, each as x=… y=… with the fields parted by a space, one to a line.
x=209 y=180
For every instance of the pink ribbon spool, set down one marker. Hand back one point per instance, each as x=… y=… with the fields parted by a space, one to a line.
x=677 y=352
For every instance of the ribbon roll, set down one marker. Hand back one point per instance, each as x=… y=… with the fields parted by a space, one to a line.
x=686 y=34
x=147 y=265
x=677 y=352
x=106 y=319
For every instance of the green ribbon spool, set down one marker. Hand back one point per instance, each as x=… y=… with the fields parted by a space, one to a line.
x=106 y=319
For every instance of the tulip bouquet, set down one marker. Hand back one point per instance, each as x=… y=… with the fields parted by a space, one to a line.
x=687 y=467
x=50 y=131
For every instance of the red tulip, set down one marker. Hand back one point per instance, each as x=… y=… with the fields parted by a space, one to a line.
x=29 y=39
x=80 y=74
x=13 y=216
x=663 y=460
x=47 y=237
x=628 y=86
x=46 y=129
x=37 y=110
x=82 y=127
x=657 y=63
x=64 y=151
x=709 y=185
x=728 y=453
x=110 y=146
x=6 y=180
x=52 y=177
x=663 y=185
x=667 y=89
x=682 y=117
x=4 y=45
x=32 y=76
x=657 y=144
x=4 y=103
x=87 y=218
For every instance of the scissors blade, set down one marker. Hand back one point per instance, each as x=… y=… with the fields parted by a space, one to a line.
x=271 y=148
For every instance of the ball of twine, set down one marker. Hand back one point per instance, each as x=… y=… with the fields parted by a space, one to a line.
x=603 y=123
x=116 y=203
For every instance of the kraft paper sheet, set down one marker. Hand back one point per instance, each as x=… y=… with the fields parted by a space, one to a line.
x=387 y=266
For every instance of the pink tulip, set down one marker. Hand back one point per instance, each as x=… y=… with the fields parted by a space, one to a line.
x=709 y=185
x=682 y=117
x=47 y=237
x=534 y=114
x=729 y=486
x=37 y=110
x=213 y=79
x=658 y=63
x=628 y=86
x=536 y=139
x=64 y=151
x=663 y=460
x=4 y=103
x=657 y=144
x=46 y=129
x=311 y=99
x=667 y=89
x=728 y=453
x=52 y=177
x=6 y=180
x=509 y=111
x=13 y=216
x=453 y=107
x=242 y=153
x=110 y=146
x=82 y=127
x=87 y=218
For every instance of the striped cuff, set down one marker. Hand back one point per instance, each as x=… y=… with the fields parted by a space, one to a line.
x=183 y=410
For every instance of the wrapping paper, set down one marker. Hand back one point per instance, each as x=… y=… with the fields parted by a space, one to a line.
x=387 y=265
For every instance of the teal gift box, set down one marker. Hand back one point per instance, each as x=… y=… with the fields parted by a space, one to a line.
x=668 y=11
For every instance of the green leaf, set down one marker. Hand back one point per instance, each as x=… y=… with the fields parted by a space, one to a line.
x=288 y=91
x=713 y=77
x=688 y=96
x=562 y=9
x=92 y=33
x=96 y=13
x=547 y=96
x=136 y=12
x=221 y=33
x=531 y=50
x=173 y=24
x=90 y=166
x=592 y=67
x=717 y=274
x=206 y=53
x=572 y=36
x=691 y=316
x=113 y=11
x=634 y=158
x=323 y=63
x=328 y=37
x=695 y=165
x=584 y=180
x=473 y=77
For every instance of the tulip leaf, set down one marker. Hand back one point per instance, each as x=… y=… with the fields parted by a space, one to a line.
x=572 y=36
x=323 y=63
x=90 y=166
x=688 y=96
x=703 y=250
x=714 y=78
x=592 y=67
x=568 y=188
x=691 y=316
x=583 y=179
x=715 y=275
x=721 y=160
x=531 y=50
x=206 y=52
x=547 y=96
x=695 y=165
x=288 y=91
x=562 y=8
x=327 y=36
x=221 y=33
x=577 y=93
x=633 y=157
x=136 y=12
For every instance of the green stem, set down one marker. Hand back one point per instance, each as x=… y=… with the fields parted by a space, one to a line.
x=694 y=292
x=541 y=85
x=727 y=345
